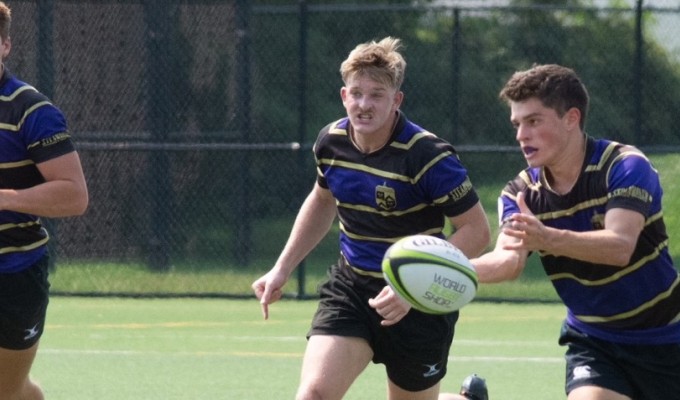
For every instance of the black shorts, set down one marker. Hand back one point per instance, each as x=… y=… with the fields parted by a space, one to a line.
x=23 y=306
x=414 y=351
x=641 y=372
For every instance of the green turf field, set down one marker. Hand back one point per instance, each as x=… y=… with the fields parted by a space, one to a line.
x=163 y=349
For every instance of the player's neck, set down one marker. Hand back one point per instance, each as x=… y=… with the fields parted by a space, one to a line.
x=369 y=143
x=562 y=176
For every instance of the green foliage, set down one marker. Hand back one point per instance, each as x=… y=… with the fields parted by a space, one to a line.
x=458 y=62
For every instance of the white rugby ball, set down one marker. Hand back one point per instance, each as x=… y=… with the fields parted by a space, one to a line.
x=430 y=273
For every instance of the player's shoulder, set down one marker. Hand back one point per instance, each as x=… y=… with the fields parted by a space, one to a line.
x=18 y=99
x=418 y=142
x=331 y=134
x=610 y=152
x=17 y=91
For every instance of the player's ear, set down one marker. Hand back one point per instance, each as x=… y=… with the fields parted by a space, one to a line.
x=343 y=93
x=398 y=99
x=6 y=47
x=573 y=118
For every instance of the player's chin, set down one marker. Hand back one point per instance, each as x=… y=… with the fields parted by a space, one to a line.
x=533 y=163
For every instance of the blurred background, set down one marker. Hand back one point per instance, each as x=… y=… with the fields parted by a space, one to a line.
x=194 y=119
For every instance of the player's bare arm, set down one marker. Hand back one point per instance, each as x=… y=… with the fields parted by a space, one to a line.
x=63 y=194
x=311 y=224
x=500 y=264
x=472 y=233
x=612 y=245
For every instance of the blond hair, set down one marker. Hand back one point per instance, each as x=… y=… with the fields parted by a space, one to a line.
x=380 y=61
x=5 y=20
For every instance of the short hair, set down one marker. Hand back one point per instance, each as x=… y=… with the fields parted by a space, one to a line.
x=5 y=20
x=557 y=87
x=381 y=61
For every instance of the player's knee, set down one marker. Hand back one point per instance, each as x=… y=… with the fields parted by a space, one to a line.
x=29 y=391
x=309 y=393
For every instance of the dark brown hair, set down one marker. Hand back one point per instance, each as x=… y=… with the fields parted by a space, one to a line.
x=557 y=87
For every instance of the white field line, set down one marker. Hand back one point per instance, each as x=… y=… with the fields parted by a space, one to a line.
x=45 y=350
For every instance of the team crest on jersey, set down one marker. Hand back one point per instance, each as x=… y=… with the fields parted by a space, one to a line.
x=385 y=197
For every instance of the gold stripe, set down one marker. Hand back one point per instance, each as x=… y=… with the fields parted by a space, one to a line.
x=383 y=174
x=638 y=310
x=382 y=213
x=410 y=143
x=579 y=207
x=430 y=164
x=674 y=320
x=17 y=92
x=16 y=164
x=433 y=231
x=604 y=157
x=360 y=167
x=632 y=268
x=12 y=249
x=5 y=227
x=15 y=128
x=372 y=274
x=334 y=130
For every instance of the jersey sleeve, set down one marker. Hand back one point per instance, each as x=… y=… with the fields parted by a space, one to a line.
x=632 y=183
x=45 y=133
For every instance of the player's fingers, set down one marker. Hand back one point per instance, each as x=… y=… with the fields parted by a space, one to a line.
x=379 y=299
x=521 y=203
x=269 y=296
x=265 y=310
x=392 y=317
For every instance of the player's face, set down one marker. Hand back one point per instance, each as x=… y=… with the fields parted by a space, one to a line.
x=370 y=105
x=5 y=46
x=542 y=134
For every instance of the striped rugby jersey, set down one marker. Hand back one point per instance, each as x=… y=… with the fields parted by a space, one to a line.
x=408 y=187
x=32 y=130
x=639 y=303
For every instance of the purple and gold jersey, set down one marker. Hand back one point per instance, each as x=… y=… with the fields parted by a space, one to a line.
x=639 y=303
x=408 y=187
x=32 y=130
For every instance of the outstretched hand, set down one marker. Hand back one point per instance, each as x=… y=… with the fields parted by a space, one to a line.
x=530 y=231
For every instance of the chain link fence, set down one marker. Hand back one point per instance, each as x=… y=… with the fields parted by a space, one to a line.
x=195 y=119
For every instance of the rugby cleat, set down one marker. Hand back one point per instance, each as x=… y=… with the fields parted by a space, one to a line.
x=474 y=388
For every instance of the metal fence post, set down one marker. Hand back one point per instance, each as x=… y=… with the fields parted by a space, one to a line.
x=243 y=229
x=159 y=38
x=302 y=118
x=637 y=76
x=45 y=68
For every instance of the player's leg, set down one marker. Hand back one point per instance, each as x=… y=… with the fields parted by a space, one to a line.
x=595 y=393
x=15 y=366
x=397 y=393
x=330 y=365
x=473 y=388
x=593 y=368
x=23 y=307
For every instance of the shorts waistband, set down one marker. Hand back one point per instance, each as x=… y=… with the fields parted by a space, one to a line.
x=373 y=274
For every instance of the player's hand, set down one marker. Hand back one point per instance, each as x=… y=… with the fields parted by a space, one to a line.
x=268 y=289
x=530 y=231
x=389 y=306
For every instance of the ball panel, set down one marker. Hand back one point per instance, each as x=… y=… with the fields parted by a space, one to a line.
x=436 y=288
x=430 y=273
x=395 y=282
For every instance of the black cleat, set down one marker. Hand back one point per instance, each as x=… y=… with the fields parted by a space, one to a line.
x=474 y=388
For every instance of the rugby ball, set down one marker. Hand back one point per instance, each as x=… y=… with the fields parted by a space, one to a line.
x=430 y=273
